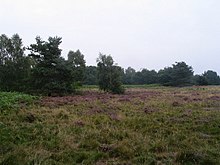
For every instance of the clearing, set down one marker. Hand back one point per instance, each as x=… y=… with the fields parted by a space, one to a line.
x=155 y=125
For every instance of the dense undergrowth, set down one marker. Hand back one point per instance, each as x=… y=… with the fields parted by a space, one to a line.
x=143 y=126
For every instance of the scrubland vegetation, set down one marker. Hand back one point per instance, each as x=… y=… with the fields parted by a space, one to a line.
x=150 y=125
x=13 y=101
x=59 y=111
x=41 y=69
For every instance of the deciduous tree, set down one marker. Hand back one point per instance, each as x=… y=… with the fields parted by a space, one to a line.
x=77 y=63
x=14 y=65
x=211 y=77
x=91 y=75
x=180 y=74
x=109 y=75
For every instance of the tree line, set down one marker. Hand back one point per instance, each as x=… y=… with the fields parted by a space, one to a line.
x=179 y=74
x=43 y=70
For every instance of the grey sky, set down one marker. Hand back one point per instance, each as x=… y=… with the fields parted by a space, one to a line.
x=139 y=33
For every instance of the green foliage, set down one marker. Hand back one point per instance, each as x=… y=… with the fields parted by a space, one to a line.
x=141 y=127
x=77 y=63
x=138 y=78
x=14 y=65
x=200 y=80
x=51 y=73
x=91 y=75
x=109 y=75
x=44 y=71
x=165 y=76
x=13 y=100
x=211 y=77
x=207 y=78
x=129 y=76
x=144 y=76
x=150 y=76
x=180 y=74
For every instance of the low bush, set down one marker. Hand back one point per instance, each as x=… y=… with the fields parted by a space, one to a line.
x=15 y=100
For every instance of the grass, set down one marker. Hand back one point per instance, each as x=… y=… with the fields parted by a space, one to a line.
x=14 y=101
x=95 y=87
x=143 y=126
x=143 y=86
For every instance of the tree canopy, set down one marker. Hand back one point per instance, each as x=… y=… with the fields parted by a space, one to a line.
x=45 y=71
x=51 y=73
x=14 y=65
x=180 y=74
x=109 y=75
x=211 y=77
x=78 y=64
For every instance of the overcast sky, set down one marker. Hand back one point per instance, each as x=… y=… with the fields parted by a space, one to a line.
x=149 y=34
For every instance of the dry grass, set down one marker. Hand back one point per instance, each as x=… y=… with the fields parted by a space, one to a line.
x=143 y=126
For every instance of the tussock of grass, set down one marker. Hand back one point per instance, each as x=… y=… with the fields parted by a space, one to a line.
x=140 y=127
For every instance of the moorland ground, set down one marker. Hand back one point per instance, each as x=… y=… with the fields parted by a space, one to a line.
x=154 y=125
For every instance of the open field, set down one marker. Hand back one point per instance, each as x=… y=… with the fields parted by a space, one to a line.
x=144 y=126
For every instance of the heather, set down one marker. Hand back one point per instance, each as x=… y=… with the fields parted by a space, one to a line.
x=150 y=125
